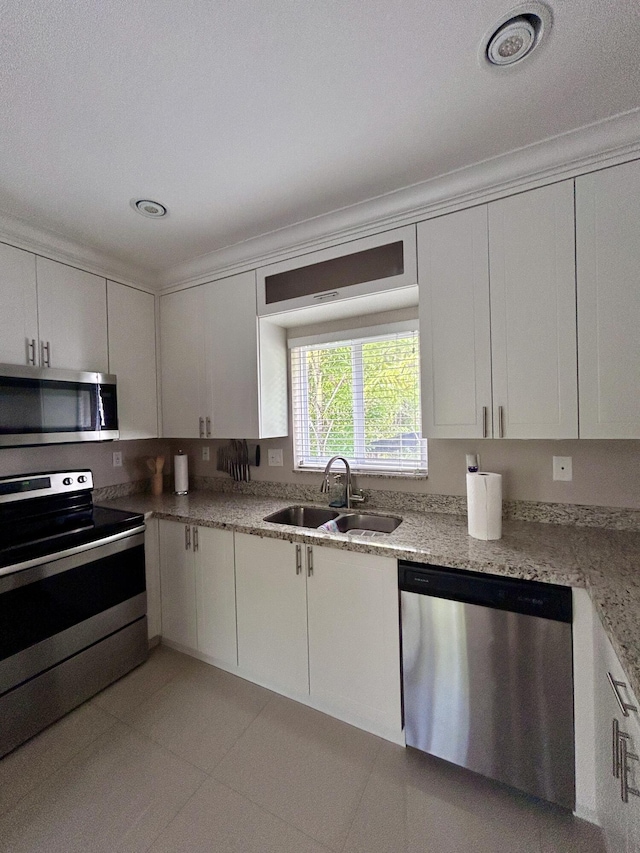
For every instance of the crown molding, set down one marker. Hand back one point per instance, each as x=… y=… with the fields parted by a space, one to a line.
x=596 y=146
x=49 y=244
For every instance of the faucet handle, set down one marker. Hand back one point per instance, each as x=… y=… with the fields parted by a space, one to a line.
x=357 y=497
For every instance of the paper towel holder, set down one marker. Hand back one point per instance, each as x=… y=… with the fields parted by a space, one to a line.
x=180 y=454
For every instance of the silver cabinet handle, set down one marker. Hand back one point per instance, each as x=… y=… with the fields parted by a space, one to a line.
x=331 y=295
x=625 y=755
x=625 y=707
x=615 y=769
x=501 y=421
x=196 y=543
x=309 y=560
x=485 y=426
x=187 y=537
x=45 y=353
x=201 y=424
x=31 y=351
x=208 y=427
x=298 y=559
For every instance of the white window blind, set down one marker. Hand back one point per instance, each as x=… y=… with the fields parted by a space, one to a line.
x=359 y=398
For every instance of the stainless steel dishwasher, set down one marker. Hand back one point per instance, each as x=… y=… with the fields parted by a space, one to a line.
x=488 y=676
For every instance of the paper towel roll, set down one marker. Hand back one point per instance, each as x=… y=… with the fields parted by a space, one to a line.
x=181 y=474
x=484 y=505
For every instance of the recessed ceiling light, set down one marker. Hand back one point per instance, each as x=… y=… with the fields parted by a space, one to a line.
x=516 y=35
x=150 y=208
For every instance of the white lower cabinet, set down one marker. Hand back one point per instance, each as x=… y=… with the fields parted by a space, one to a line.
x=617 y=750
x=354 y=645
x=271 y=597
x=178 y=583
x=215 y=595
x=321 y=624
x=198 y=590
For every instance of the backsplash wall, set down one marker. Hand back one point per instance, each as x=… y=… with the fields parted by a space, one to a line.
x=605 y=473
x=98 y=456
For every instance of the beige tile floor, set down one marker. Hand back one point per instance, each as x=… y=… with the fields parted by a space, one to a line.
x=179 y=756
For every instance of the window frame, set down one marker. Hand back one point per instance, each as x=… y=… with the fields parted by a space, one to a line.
x=299 y=399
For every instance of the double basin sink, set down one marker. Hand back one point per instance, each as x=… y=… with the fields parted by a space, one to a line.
x=346 y=521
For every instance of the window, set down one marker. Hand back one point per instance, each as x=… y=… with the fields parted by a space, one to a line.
x=359 y=398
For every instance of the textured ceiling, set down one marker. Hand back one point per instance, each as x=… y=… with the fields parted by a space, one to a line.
x=245 y=116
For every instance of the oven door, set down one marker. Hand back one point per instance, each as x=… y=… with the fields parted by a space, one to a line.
x=54 y=608
x=47 y=405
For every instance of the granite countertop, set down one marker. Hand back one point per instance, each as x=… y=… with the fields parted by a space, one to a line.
x=606 y=562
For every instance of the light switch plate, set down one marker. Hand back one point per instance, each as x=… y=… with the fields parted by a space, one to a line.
x=117 y=459
x=562 y=468
x=205 y=454
x=274 y=458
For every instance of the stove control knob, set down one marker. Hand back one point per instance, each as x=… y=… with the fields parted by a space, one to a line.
x=82 y=479
x=67 y=481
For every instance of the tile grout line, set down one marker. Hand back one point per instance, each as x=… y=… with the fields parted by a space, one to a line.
x=361 y=797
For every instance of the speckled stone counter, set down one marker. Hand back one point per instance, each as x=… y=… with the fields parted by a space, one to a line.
x=606 y=562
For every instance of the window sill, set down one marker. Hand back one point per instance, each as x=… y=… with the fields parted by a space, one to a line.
x=374 y=475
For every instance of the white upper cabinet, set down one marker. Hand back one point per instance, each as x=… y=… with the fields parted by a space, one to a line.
x=19 y=315
x=533 y=314
x=246 y=363
x=182 y=348
x=224 y=372
x=72 y=307
x=608 y=253
x=455 y=338
x=497 y=319
x=132 y=357
x=350 y=270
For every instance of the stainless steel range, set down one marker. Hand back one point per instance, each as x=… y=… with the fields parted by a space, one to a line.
x=72 y=599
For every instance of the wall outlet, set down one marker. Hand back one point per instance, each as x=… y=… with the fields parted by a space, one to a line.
x=117 y=459
x=274 y=458
x=562 y=468
x=205 y=454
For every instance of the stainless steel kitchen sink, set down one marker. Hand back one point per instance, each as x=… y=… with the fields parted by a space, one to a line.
x=358 y=522
x=353 y=523
x=303 y=516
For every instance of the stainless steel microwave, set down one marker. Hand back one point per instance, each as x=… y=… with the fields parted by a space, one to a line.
x=48 y=405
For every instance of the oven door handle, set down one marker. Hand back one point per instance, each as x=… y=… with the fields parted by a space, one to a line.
x=69 y=552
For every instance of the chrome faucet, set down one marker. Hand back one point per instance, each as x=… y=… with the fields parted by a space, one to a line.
x=349 y=495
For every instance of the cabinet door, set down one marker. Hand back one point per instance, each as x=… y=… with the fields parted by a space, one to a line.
x=132 y=357
x=232 y=356
x=72 y=313
x=608 y=255
x=354 y=655
x=533 y=314
x=613 y=814
x=216 y=595
x=271 y=600
x=183 y=367
x=177 y=579
x=371 y=265
x=455 y=340
x=19 y=315
x=152 y=568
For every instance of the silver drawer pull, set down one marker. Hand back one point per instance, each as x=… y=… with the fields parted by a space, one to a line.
x=625 y=707
x=331 y=295
x=485 y=429
x=201 y=424
x=298 y=559
x=31 y=351
x=208 y=427
x=625 y=756
x=45 y=354
x=309 y=560
x=195 y=538
x=187 y=537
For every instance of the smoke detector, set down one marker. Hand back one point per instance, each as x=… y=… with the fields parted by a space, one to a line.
x=516 y=35
x=150 y=208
